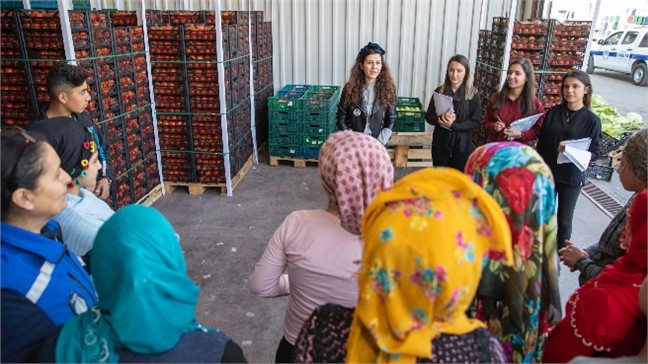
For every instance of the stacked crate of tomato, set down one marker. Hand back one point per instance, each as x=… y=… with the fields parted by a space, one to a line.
x=171 y=98
x=530 y=41
x=205 y=131
x=15 y=105
x=568 y=42
x=41 y=31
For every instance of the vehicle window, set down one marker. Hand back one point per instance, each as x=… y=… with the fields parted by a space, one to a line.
x=644 y=41
x=629 y=37
x=613 y=39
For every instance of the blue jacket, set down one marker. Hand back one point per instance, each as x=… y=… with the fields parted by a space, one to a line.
x=51 y=280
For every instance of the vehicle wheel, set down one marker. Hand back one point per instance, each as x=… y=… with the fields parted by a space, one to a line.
x=639 y=75
x=590 y=65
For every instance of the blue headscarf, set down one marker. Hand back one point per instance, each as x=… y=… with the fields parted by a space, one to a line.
x=147 y=300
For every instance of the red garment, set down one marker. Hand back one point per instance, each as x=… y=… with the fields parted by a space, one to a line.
x=508 y=113
x=603 y=317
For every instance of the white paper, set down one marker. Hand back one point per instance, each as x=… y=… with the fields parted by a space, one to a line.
x=583 y=143
x=442 y=103
x=579 y=157
x=526 y=123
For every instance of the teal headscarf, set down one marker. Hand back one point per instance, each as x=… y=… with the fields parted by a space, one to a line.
x=147 y=301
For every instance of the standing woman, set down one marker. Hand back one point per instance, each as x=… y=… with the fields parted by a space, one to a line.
x=452 y=138
x=368 y=102
x=43 y=283
x=571 y=119
x=516 y=100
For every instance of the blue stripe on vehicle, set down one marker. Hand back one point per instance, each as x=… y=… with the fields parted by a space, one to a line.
x=639 y=56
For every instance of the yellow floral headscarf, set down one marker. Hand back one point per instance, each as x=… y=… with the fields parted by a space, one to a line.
x=425 y=244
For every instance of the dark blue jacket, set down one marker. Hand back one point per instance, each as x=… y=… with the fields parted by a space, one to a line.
x=43 y=285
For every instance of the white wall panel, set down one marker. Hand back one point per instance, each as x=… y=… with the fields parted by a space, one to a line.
x=316 y=41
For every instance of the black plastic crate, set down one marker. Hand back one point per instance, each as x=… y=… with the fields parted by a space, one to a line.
x=600 y=169
x=610 y=143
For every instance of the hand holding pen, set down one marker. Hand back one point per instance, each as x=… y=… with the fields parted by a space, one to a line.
x=499 y=124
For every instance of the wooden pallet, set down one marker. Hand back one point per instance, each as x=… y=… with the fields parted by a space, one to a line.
x=197 y=188
x=403 y=155
x=151 y=197
x=297 y=162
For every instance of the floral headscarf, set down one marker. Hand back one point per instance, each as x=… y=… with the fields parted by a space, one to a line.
x=425 y=241
x=146 y=299
x=520 y=302
x=353 y=167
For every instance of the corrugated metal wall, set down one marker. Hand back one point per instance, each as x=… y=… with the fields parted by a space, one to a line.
x=316 y=41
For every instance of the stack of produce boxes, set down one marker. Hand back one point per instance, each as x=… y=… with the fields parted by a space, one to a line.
x=15 y=78
x=566 y=51
x=411 y=116
x=262 y=73
x=301 y=118
x=187 y=87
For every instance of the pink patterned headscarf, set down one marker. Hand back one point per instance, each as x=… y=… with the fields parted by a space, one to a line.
x=353 y=167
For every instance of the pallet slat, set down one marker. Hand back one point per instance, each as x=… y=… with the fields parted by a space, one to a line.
x=297 y=162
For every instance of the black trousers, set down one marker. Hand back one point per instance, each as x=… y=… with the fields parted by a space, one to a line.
x=567 y=197
x=447 y=158
x=285 y=352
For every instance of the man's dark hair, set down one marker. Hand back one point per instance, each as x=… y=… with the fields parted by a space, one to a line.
x=63 y=78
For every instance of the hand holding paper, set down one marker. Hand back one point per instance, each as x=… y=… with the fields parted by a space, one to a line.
x=576 y=152
x=526 y=123
x=442 y=103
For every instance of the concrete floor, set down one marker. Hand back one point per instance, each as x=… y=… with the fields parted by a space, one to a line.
x=223 y=238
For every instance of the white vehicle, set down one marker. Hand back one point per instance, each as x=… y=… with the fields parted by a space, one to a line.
x=625 y=51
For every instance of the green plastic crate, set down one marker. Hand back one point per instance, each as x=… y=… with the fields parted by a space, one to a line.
x=313 y=140
x=321 y=118
x=409 y=110
x=286 y=100
x=315 y=129
x=284 y=150
x=322 y=98
x=284 y=139
x=409 y=126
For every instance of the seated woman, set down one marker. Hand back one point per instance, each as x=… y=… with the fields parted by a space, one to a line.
x=85 y=212
x=147 y=301
x=520 y=302
x=633 y=174
x=603 y=317
x=321 y=248
x=43 y=283
x=426 y=240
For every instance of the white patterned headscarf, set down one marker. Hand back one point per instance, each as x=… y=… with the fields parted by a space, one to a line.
x=353 y=168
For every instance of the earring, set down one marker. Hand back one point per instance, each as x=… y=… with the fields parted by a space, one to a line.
x=77 y=183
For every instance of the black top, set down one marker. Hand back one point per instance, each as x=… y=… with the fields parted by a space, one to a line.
x=582 y=124
x=469 y=115
x=194 y=347
x=353 y=116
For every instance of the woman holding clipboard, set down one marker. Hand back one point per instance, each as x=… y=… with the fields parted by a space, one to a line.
x=452 y=137
x=516 y=100
x=571 y=119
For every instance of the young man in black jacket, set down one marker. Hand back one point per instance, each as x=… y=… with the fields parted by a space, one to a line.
x=68 y=91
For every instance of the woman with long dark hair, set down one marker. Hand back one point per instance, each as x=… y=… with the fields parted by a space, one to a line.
x=368 y=101
x=516 y=100
x=571 y=119
x=452 y=138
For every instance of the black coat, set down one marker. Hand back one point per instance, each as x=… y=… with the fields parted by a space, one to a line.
x=459 y=137
x=352 y=116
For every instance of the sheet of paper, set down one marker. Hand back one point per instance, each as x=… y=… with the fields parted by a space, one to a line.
x=526 y=123
x=583 y=143
x=442 y=103
x=579 y=157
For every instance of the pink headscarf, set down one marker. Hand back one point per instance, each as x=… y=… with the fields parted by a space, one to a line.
x=353 y=167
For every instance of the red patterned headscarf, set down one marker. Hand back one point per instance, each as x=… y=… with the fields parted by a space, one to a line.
x=353 y=168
